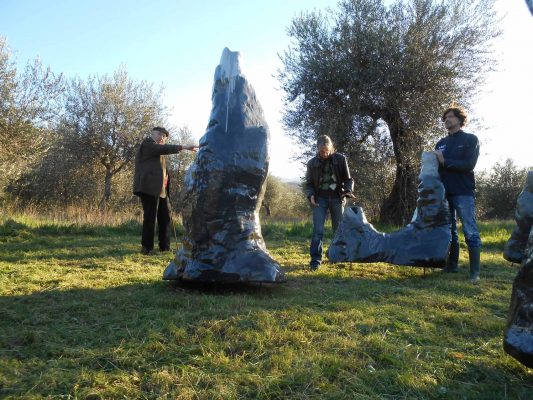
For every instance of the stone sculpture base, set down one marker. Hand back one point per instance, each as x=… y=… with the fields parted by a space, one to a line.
x=247 y=267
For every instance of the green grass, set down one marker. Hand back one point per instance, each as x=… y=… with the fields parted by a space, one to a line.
x=84 y=316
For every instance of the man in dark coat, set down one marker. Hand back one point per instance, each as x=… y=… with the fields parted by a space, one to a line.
x=327 y=183
x=457 y=154
x=151 y=184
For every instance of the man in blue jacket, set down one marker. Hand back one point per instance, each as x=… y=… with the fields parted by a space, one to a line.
x=457 y=154
x=327 y=183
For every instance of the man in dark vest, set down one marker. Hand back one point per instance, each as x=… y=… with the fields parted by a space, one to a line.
x=457 y=154
x=327 y=183
x=151 y=184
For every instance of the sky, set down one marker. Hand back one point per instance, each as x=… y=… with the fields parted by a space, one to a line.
x=178 y=44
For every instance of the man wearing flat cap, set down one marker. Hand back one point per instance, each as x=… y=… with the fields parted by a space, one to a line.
x=151 y=184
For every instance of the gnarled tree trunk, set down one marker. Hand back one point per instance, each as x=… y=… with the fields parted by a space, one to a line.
x=107 y=188
x=399 y=206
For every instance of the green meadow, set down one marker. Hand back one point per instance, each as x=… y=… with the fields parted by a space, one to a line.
x=83 y=315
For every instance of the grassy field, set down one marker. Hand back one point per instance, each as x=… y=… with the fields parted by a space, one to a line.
x=84 y=316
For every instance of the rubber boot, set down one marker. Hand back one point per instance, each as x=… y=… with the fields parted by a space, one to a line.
x=474 y=256
x=453 y=258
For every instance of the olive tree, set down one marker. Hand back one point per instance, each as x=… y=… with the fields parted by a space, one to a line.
x=368 y=70
x=110 y=115
x=30 y=102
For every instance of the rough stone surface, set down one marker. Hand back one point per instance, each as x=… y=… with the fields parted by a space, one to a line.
x=424 y=242
x=516 y=245
x=518 y=340
x=224 y=188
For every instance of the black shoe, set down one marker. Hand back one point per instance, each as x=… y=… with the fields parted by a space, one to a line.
x=313 y=266
x=146 y=252
x=164 y=249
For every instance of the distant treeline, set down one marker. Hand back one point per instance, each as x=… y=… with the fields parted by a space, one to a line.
x=67 y=143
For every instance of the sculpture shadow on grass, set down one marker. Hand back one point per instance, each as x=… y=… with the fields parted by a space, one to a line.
x=78 y=341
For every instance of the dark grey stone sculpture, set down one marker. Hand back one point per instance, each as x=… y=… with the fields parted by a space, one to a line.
x=516 y=245
x=518 y=340
x=224 y=188
x=424 y=242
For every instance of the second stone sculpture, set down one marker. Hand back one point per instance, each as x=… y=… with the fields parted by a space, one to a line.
x=424 y=242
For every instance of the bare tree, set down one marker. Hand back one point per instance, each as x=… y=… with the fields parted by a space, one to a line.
x=367 y=68
x=110 y=115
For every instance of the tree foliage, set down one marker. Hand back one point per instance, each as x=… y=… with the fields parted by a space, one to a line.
x=72 y=142
x=368 y=71
x=109 y=116
x=30 y=102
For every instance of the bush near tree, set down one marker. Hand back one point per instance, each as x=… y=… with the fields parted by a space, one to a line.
x=498 y=190
x=284 y=200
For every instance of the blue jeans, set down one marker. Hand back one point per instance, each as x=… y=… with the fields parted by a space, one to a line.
x=465 y=208
x=335 y=207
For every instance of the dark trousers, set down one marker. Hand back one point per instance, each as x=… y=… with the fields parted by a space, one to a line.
x=155 y=207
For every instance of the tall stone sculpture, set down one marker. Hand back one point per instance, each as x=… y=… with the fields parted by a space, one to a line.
x=516 y=245
x=518 y=340
x=224 y=189
x=424 y=242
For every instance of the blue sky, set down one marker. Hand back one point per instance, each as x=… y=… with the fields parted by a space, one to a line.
x=178 y=44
